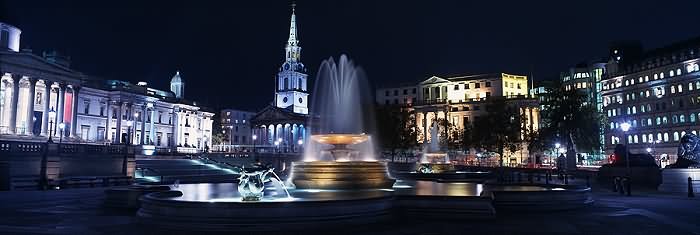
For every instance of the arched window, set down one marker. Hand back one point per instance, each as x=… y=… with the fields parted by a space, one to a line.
x=644 y=138
x=665 y=136
x=664 y=120
x=682 y=118
x=674 y=119
x=658 y=121
x=286 y=83
x=692 y=117
x=675 y=136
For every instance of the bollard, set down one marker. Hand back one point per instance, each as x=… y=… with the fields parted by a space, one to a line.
x=566 y=179
x=546 y=178
x=529 y=177
x=614 y=185
x=690 y=187
x=628 y=182
x=588 y=180
x=520 y=177
x=539 y=176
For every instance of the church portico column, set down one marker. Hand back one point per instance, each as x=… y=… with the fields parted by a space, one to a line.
x=108 y=122
x=45 y=113
x=176 y=131
x=74 y=112
x=60 y=105
x=13 y=104
x=143 y=124
x=425 y=127
x=153 y=127
x=118 y=132
x=30 y=107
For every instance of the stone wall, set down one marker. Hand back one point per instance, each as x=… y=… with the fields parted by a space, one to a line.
x=30 y=164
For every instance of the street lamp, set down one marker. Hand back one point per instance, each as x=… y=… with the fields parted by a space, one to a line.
x=279 y=142
x=52 y=128
x=625 y=126
x=649 y=150
x=255 y=137
x=61 y=126
x=556 y=153
x=300 y=142
x=277 y=145
x=136 y=119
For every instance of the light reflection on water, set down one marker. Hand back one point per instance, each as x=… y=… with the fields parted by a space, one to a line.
x=228 y=192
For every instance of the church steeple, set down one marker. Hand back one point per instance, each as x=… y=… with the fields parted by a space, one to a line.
x=290 y=92
x=293 y=28
x=293 y=50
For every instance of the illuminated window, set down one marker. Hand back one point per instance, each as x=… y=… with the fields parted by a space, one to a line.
x=690 y=86
x=670 y=73
x=680 y=88
x=681 y=118
x=636 y=139
x=675 y=136
x=678 y=72
x=691 y=117
x=656 y=76
x=673 y=89
x=665 y=136
x=661 y=75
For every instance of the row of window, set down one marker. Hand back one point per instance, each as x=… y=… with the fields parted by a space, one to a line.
x=628 y=82
x=660 y=120
x=658 y=91
x=396 y=92
x=649 y=138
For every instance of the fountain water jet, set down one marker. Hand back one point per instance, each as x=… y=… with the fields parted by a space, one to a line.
x=341 y=154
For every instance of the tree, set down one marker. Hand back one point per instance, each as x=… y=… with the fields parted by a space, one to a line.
x=397 y=129
x=218 y=135
x=571 y=117
x=499 y=130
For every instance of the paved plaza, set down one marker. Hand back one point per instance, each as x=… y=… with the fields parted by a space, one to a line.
x=78 y=211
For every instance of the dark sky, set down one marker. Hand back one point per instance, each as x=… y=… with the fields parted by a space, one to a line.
x=229 y=51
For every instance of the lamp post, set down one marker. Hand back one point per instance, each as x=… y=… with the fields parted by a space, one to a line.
x=61 y=126
x=279 y=142
x=556 y=153
x=626 y=127
x=129 y=123
x=300 y=142
x=255 y=137
x=136 y=119
x=52 y=128
x=277 y=145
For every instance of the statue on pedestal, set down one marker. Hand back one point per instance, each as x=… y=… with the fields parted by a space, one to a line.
x=688 y=152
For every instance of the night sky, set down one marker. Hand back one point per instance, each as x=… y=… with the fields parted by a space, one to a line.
x=228 y=52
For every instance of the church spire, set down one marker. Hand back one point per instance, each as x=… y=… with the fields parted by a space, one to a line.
x=293 y=28
x=292 y=49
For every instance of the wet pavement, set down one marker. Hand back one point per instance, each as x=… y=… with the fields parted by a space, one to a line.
x=78 y=211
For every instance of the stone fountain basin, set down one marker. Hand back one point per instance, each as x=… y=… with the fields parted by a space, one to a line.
x=202 y=208
x=538 y=197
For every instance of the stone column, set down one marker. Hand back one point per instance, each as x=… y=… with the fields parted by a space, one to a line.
x=132 y=111
x=60 y=106
x=45 y=114
x=30 y=107
x=153 y=128
x=425 y=128
x=74 y=113
x=143 y=124
x=108 y=123
x=118 y=132
x=176 y=131
x=13 y=104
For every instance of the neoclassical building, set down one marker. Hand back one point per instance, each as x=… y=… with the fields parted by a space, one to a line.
x=461 y=100
x=284 y=123
x=41 y=97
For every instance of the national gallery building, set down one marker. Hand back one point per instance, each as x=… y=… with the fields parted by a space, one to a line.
x=41 y=98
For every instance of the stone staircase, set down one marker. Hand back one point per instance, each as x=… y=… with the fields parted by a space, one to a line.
x=167 y=171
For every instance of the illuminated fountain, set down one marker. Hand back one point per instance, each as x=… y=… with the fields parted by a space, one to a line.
x=341 y=154
x=433 y=160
